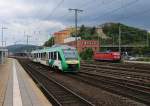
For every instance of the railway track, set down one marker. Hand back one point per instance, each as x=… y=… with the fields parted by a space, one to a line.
x=117 y=86
x=113 y=71
x=122 y=65
x=133 y=90
x=130 y=69
x=57 y=93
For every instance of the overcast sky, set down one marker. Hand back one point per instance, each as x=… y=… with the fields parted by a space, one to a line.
x=40 y=18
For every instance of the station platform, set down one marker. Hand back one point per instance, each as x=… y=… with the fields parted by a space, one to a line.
x=17 y=88
x=141 y=62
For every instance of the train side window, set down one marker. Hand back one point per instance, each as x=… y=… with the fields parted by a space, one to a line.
x=49 y=55
x=44 y=55
x=55 y=55
x=39 y=55
x=59 y=57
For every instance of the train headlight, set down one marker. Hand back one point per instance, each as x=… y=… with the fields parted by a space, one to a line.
x=72 y=62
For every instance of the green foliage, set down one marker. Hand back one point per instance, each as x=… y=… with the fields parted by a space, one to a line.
x=129 y=35
x=87 y=54
x=49 y=43
x=86 y=33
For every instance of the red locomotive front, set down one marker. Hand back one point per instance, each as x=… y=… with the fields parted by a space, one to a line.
x=107 y=56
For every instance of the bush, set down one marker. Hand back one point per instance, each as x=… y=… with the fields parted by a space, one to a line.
x=87 y=54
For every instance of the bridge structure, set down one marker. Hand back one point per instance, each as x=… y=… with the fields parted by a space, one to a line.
x=124 y=48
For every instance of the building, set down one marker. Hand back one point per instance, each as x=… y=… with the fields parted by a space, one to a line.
x=70 y=39
x=3 y=55
x=60 y=36
x=64 y=37
x=63 y=34
x=82 y=45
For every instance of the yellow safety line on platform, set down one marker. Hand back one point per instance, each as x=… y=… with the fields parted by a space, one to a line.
x=17 y=101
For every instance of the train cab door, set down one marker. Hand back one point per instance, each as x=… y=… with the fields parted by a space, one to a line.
x=58 y=61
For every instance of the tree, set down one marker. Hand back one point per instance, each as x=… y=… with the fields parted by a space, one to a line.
x=87 y=54
x=49 y=43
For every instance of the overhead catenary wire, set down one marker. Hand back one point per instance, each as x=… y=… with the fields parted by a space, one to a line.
x=116 y=9
x=55 y=8
x=133 y=15
x=103 y=3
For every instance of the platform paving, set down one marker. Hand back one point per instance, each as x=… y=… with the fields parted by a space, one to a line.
x=17 y=88
x=5 y=75
x=141 y=62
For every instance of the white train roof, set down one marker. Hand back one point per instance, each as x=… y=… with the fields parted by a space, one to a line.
x=53 y=47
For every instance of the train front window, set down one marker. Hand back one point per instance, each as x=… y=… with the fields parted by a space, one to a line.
x=70 y=54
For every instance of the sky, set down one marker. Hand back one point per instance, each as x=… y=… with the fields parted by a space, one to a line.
x=39 y=19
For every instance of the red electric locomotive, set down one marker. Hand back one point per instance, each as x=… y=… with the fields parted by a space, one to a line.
x=107 y=56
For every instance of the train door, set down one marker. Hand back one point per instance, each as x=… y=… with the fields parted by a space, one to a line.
x=59 y=65
x=57 y=61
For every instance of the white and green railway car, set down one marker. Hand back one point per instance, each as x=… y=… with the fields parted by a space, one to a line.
x=62 y=57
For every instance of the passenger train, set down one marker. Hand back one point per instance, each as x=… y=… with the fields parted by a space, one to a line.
x=62 y=57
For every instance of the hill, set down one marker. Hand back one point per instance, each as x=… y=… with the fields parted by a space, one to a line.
x=129 y=35
x=109 y=34
x=21 y=48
